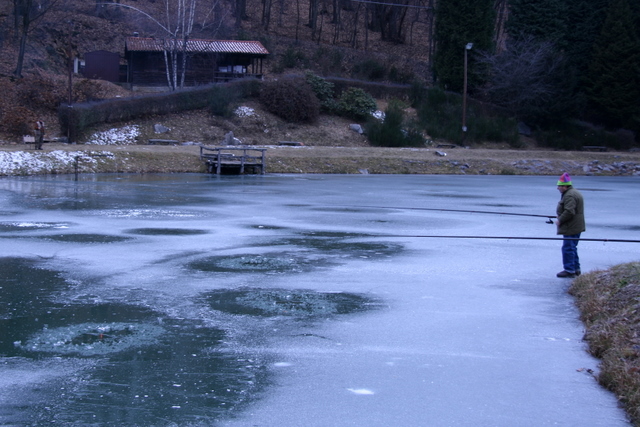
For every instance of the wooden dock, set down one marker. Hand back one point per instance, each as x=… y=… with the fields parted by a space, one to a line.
x=234 y=159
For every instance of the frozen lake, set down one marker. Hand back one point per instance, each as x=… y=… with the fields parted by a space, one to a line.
x=298 y=300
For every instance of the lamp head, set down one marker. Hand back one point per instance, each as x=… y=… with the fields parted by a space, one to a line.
x=469 y=46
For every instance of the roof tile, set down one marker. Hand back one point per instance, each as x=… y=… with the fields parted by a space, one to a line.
x=196 y=45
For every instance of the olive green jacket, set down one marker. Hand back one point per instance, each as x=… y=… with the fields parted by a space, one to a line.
x=570 y=213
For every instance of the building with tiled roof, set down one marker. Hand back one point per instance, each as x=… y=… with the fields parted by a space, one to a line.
x=206 y=61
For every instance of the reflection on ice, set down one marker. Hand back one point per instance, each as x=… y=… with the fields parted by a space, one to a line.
x=271 y=263
x=182 y=377
x=166 y=231
x=85 y=238
x=144 y=213
x=149 y=369
x=287 y=302
x=29 y=226
x=342 y=245
x=91 y=339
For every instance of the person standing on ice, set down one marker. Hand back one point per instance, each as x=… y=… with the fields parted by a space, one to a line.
x=570 y=224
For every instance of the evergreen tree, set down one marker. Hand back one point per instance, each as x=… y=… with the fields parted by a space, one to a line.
x=459 y=22
x=613 y=80
x=545 y=20
x=584 y=23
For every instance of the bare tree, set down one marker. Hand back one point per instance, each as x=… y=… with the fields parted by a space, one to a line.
x=501 y=9
x=240 y=11
x=528 y=78
x=388 y=18
x=313 y=13
x=27 y=12
x=266 y=13
x=179 y=20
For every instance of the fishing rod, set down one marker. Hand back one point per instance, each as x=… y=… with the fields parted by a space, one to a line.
x=549 y=217
x=510 y=238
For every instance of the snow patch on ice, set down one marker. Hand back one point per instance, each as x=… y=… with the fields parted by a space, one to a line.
x=58 y=161
x=362 y=391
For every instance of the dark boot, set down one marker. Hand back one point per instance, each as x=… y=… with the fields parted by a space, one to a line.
x=566 y=274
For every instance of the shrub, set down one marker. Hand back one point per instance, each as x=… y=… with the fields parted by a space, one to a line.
x=329 y=60
x=369 y=69
x=400 y=76
x=441 y=115
x=356 y=103
x=291 y=58
x=76 y=120
x=291 y=99
x=86 y=90
x=417 y=93
x=221 y=100
x=18 y=120
x=323 y=90
x=390 y=132
x=246 y=88
x=573 y=135
x=39 y=92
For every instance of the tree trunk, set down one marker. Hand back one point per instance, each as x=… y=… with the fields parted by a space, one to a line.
x=266 y=13
x=241 y=12
x=24 y=10
x=297 y=18
x=23 y=44
x=167 y=68
x=366 y=28
x=313 y=13
x=354 y=41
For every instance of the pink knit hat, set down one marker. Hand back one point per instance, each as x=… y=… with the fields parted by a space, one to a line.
x=565 y=179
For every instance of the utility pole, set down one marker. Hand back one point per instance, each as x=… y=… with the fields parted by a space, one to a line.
x=70 y=101
x=464 y=94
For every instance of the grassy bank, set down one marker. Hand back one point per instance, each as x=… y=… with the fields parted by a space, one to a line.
x=138 y=158
x=609 y=303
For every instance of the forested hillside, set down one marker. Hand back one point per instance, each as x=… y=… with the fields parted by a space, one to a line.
x=543 y=62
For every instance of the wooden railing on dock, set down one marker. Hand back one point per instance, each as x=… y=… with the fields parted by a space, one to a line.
x=239 y=158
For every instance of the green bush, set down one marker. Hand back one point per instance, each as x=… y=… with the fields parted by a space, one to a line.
x=323 y=90
x=246 y=88
x=390 y=132
x=369 y=69
x=76 y=120
x=417 y=93
x=574 y=135
x=441 y=116
x=291 y=99
x=356 y=104
x=292 y=58
x=221 y=101
x=399 y=76
x=375 y=89
x=329 y=60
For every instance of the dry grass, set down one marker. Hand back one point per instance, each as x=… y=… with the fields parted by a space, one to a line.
x=609 y=302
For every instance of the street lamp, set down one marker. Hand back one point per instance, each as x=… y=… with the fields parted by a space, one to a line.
x=464 y=93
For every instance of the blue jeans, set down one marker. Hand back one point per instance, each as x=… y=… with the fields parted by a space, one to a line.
x=570 y=259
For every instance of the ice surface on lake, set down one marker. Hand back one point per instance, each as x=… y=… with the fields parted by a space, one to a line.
x=297 y=300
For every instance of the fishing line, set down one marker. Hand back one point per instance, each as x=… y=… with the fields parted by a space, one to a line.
x=454 y=210
x=509 y=238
